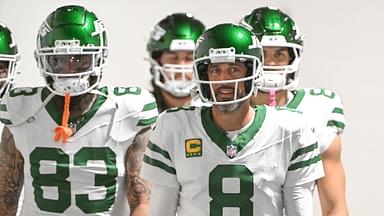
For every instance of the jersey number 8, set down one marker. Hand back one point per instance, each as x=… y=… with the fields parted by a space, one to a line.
x=221 y=199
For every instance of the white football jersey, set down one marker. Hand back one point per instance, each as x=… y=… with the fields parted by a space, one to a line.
x=219 y=176
x=323 y=109
x=84 y=176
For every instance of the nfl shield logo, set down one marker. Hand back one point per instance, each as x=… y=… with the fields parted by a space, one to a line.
x=231 y=151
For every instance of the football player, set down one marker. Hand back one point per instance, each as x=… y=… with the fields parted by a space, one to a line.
x=283 y=45
x=78 y=145
x=230 y=158
x=9 y=61
x=170 y=50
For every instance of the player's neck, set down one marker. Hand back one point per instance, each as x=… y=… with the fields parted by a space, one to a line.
x=78 y=105
x=262 y=98
x=236 y=120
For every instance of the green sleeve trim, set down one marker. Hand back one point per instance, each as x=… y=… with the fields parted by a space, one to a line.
x=304 y=150
x=159 y=150
x=5 y=121
x=305 y=163
x=146 y=122
x=338 y=110
x=338 y=124
x=149 y=106
x=159 y=164
x=3 y=108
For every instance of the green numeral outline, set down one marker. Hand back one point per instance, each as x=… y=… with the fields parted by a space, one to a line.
x=328 y=94
x=22 y=91
x=59 y=178
x=118 y=91
x=241 y=200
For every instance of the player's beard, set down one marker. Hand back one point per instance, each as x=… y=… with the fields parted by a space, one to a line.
x=78 y=105
x=227 y=108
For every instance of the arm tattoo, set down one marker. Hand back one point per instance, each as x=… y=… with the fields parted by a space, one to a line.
x=137 y=188
x=11 y=174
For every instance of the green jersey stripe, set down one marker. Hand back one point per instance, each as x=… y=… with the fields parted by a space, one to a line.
x=296 y=100
x=338 y=110
x=3 y=107
x=338 y=124
x=5 y=121
x=159 y=150
x=304 y=150
x=149 y=106
x=305 y=163
x=159 y=164
x=146 y=122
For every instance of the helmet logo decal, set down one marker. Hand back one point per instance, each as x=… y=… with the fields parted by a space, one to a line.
x=255 y=43
x=200 y=39
x=222 y=55
x=99 y=27
x=157 y=33
x=44 y=29
x=12 y=44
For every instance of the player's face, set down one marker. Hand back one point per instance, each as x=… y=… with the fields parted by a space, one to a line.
x=227 y=71
x=67 y=64
x=3 y=71
x=276 y=56
x=181 y=58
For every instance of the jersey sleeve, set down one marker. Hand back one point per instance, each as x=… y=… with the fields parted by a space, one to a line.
x=136 y=109
x=147 y=113
x=5 y=115
x=336 y=119
x=305 y=164
x=18 y=106
x=158 y=167
x=335 y=123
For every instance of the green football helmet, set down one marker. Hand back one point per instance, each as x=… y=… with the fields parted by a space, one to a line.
x=176 y=32
x=9 y=59
x=71 y=50
x=226 y=43
x=274 y=28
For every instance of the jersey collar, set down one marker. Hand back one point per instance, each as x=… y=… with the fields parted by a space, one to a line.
x=298 y=96
x=80 y=121
x=218 y=135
